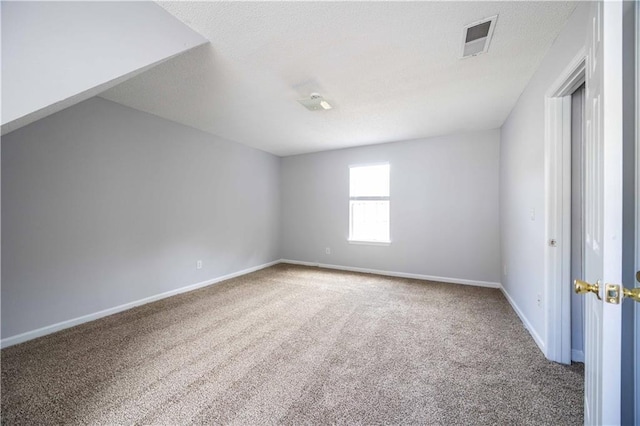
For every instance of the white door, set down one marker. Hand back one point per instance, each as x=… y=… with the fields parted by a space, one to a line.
x=603 y=212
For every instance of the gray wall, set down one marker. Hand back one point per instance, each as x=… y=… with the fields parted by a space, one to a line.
x=629 y=213
x=104 y=205
x=444 y=207
x=522 y=178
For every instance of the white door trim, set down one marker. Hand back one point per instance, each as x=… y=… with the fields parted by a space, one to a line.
x=558 y=210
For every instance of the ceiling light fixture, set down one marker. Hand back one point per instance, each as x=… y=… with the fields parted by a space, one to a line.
x=315 y=102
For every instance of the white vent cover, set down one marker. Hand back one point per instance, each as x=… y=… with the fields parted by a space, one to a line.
x=477 y=36
x=315 y=103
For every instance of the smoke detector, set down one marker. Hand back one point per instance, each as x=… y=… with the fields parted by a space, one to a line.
x=315 y=102
x=477 y=36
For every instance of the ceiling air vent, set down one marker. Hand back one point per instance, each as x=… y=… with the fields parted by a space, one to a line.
x=477 y=36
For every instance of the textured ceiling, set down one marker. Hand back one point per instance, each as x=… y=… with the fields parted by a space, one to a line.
x=391 y=70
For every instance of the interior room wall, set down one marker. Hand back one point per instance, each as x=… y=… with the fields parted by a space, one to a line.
x=444 y=208
x=522 y=180
x=630 y=192
x=104 y=205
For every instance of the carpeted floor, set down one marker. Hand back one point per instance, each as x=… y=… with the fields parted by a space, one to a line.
x=296 y=345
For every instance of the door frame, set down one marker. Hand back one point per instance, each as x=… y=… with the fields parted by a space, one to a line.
x=557 y=265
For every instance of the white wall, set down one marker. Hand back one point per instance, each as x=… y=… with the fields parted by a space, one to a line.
x=103 y=205
x=444 y=207
x=522 y=179
x=55 y=54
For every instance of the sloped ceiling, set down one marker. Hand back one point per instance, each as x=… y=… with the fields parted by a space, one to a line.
x=55 y=54
x=391 y=70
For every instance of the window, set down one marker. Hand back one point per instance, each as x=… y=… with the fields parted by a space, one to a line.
x=369 y=203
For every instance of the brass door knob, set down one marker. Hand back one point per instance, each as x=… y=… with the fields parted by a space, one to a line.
x=633 y=294
x=582 y=287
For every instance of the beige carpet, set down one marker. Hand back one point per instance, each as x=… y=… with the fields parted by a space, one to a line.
x=296 y=345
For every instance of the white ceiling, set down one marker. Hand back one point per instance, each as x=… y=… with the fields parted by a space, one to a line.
x=57 y=53
x=391 y=70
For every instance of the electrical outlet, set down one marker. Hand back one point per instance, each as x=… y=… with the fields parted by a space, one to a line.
x=199 y=264
x=327 y=250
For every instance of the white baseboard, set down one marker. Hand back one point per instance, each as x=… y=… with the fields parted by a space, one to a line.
x=29 y=335
x=525 y=321
x=299 y=262
x=577 y=356
x=397 y=274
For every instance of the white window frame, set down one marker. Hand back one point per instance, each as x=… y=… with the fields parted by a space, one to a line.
x=371 y=198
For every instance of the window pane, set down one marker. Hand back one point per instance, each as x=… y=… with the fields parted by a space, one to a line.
x=369 y=181
x=369 y=220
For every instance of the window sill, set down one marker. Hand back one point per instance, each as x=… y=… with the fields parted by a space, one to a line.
x=370 y=243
